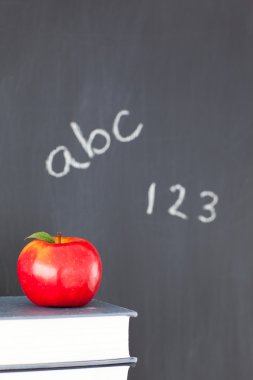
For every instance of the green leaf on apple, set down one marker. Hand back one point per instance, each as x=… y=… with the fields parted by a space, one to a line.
x=41 y=236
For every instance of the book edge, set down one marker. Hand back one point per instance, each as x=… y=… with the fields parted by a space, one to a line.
x=121 y=311
x=77 y=364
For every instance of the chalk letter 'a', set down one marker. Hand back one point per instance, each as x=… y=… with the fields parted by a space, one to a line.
x=69 y=161
x=116 y=130
x=50 y=159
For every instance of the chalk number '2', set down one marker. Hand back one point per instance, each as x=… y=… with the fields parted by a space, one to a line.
x=173 y=210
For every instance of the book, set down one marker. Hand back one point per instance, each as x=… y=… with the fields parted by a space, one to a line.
x=119 y=372
x=47 y=337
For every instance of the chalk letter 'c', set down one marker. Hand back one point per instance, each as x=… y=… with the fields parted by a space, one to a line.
x=117 y=133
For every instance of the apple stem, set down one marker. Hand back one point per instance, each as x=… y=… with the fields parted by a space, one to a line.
x=59 y=237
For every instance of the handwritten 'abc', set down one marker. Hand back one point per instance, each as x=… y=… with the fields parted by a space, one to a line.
x=88 y=145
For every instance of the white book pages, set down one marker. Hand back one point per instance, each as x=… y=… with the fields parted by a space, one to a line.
x=31 y=341
x=95 y=373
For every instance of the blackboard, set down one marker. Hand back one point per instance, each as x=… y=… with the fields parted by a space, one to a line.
x=170 y=210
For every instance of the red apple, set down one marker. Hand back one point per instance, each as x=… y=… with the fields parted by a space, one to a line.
x=62 y=271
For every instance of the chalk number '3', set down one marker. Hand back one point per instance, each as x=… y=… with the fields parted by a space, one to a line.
x=209 y=206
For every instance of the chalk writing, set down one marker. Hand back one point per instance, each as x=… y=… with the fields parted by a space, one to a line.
x=174 y=209
x=88 y=145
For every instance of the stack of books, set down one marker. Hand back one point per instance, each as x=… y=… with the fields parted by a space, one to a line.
x=89 y=342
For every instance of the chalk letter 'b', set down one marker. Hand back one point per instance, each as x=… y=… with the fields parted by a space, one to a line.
x=87 y=145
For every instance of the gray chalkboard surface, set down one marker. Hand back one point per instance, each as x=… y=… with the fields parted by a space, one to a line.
x=130 y=123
